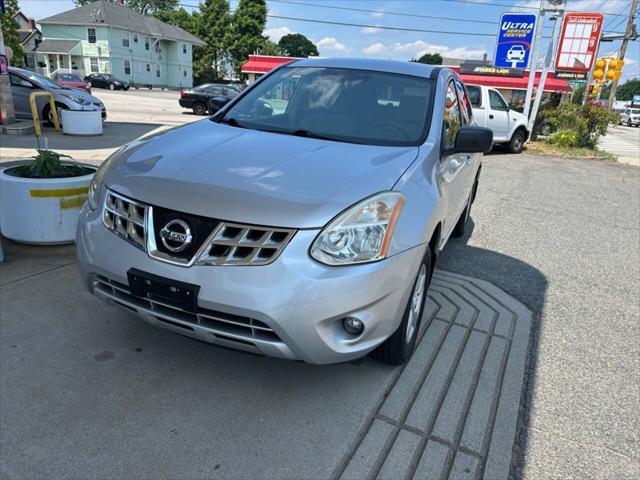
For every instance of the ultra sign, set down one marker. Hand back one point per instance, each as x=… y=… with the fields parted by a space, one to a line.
x=514 y=40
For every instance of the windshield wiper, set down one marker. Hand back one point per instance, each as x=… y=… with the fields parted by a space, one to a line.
x=231 y=121
x=308 y=134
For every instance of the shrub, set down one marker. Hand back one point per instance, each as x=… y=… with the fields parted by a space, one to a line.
x=49 y=164
x=564 y=138
x=588 y=123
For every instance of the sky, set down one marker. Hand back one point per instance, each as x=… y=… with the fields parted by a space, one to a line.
x=462 y=20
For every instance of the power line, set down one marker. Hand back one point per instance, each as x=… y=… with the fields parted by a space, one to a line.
x=520 y=7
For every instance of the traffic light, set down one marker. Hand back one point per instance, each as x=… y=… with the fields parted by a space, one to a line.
x=598 y=72
x=595 y=89
x=614 y=71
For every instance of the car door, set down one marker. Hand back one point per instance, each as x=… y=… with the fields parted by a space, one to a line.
x=498 y=116
x=451 y=170
x=21 y=89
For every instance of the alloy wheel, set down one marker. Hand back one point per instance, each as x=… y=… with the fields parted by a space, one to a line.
x=416 y=303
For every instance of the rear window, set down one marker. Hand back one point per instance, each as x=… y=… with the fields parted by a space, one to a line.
x=67 y=77
x=474 y=95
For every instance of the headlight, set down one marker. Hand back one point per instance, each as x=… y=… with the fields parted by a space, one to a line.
x=360 y=234
x=78 y=100
x=96 y=182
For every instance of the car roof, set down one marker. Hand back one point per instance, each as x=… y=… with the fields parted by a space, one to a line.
x=390 y=66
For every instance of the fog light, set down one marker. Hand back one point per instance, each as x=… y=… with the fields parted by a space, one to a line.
x=353 y=326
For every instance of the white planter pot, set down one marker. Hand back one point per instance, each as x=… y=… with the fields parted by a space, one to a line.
x=81 y=122
x=41 y=210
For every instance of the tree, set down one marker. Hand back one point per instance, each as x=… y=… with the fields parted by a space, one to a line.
x=578 y=95
x=430 y=59
x=297 y=45
x=248 y=23
x=270 y=48
x=626 y=91
x=216 y=21
x=10 y=28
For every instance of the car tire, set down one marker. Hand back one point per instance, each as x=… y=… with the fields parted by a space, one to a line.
x=199 y=108
x=629 y=124
x=517 y=141
x=47 y=117
x=400 y=345
x=112 y=86
x=461 y=224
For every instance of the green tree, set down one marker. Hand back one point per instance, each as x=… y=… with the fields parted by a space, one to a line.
x=270 y=48
x=626 y=91
x=248 y=23
x=216 y=32
x=10 y=32
x=297 y=45
x=430 y=59
x=578 y=95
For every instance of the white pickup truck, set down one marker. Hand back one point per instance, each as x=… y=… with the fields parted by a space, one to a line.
x=490 y=110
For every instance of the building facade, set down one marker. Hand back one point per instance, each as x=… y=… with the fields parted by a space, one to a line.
x=30 y=37
x=103 y=37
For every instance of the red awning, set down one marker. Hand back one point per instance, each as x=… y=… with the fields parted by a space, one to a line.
x=515 y=83
x=264 y=63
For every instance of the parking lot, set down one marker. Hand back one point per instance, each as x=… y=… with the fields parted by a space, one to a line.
x=529 y=340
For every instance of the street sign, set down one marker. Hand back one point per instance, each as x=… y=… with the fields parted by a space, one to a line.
x=514 y=40
x=571 y=75
x=578 y=41
x=475 y=68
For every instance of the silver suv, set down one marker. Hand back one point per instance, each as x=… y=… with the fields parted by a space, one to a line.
x=301 y=221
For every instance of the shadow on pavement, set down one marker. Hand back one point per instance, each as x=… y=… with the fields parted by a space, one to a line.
x=115 y=134
x=522 y=281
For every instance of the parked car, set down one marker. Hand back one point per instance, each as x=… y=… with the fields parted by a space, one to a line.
x=25 y=82
x=492 y=111
x=630 y=117
x=106 y=80
x=71 y=80
x=308 y=234
x=208 y=97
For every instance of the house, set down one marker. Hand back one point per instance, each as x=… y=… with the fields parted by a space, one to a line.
x=29 y=36
x=105 y=37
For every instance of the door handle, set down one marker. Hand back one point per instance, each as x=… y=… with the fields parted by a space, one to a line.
x=491 y=117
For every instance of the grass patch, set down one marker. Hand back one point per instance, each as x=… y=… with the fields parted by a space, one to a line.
x=544 y=148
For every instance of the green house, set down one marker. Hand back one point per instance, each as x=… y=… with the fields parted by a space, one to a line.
x=105 y=37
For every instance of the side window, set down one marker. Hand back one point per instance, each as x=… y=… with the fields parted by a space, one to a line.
x=125 y=39
x=91 y=35
x=496 y=102
x=15 y=80
x=146 y=43
x=93 y=65
x=474 y=96
x=451 y=117
x=465 y=105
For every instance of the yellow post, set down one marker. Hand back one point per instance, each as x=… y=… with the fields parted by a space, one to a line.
x=34 y=111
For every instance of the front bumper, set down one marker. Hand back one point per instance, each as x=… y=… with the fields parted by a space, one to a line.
x=299 y=301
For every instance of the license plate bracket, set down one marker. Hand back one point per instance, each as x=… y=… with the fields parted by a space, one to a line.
x=165 y=290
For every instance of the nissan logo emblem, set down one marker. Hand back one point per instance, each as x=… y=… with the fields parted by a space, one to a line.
x=176 y=236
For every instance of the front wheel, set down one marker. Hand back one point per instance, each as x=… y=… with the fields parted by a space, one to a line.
x=629 y=124
x=400 y=345
x=517 y=141
x=47 y=114
x=112 y=86
x=199 y=108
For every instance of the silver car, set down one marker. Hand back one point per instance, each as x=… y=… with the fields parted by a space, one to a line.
x=630 y=117
x=302 y=221
x=25 y=82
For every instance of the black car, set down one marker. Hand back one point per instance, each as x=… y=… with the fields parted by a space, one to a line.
x=106 y=80
x=207 y=97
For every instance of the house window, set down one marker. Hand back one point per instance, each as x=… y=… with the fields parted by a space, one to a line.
x=125 y=39
x=135 y=38
x=158 y=71
x=148 y=67
x=91 y=35
x=94 y=65
x=127 y=67
x=184 y=73
x=146 y=43
x=184 y=48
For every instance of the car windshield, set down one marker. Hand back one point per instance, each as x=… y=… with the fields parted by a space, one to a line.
x=67 y=77
x=339 y=104
x=42 y=81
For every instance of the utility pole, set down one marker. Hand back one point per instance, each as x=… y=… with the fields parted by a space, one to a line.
x=623 y=49
x=533 y=59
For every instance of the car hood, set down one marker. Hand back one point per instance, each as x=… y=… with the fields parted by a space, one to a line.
x=254 y=177
x=77 y=92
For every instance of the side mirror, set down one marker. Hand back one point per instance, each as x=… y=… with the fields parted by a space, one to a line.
x=472 y=139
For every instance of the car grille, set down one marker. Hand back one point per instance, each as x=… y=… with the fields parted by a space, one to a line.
x=212 y=242
x=224 y=325
x=126 y=218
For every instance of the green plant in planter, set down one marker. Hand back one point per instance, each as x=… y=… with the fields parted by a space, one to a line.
x=49 y=164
